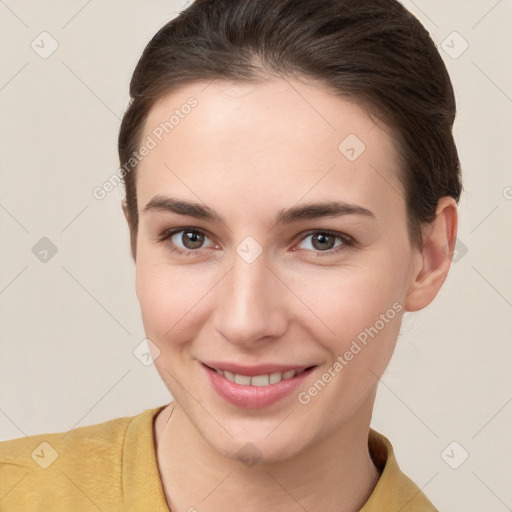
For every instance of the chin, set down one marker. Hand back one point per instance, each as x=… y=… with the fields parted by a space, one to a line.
x=255 y=445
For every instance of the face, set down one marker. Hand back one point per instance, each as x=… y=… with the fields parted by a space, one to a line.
x=256 y=281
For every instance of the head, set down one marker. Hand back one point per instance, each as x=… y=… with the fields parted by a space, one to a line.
x=243 y=114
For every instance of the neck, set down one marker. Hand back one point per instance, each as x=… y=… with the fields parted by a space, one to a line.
x=335 y=473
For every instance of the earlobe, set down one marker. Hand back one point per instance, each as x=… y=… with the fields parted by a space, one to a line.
x=433 y=259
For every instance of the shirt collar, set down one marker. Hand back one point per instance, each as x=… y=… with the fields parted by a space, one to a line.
x=143 y=490
x=394 y=491
x=142 y=486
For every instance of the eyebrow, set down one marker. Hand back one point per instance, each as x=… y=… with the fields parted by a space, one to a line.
x=286 y=216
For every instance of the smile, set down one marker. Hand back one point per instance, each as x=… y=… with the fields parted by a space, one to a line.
x=255 y=387
x=259 y=380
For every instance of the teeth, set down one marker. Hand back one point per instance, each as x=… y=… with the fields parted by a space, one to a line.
x=275 y=378
x=242 y=379
x=289 y=374
x=230 y=376
x=259 y=380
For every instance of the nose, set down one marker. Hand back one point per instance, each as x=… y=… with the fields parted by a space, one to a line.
x=250 y=307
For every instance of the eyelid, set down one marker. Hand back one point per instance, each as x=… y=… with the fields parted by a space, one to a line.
x=168 y=233
x=172 y=231
x=338 y=234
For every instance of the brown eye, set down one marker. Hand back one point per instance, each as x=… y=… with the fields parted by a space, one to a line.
x=191 y=239
x=324 y=243
x=183 y=241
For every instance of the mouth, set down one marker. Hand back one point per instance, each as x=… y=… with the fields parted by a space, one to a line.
x=248 y=377
x=257 y=386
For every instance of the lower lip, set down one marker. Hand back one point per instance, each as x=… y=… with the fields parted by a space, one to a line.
x=254 y=397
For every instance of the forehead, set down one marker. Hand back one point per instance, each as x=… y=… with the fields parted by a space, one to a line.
x=277 y=140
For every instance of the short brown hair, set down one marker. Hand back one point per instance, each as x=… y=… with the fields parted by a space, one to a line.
x=373 y=51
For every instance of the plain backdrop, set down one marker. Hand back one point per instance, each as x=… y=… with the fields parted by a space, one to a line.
x=70 y=323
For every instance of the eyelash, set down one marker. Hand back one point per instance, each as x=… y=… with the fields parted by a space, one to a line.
x=347 y=240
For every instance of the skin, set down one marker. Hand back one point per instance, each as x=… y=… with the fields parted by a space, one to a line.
x=248 y=151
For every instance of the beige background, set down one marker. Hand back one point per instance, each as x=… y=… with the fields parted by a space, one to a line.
x=70 y=325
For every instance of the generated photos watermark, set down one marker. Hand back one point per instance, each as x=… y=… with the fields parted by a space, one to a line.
x=151 y=142
x=361 y=341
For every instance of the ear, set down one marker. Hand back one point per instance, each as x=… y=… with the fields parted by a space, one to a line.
x=133 y=235
x=434 y=258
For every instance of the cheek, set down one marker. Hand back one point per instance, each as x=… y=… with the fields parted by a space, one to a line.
x=361 y=309
x=170 y=299
x=348 y=300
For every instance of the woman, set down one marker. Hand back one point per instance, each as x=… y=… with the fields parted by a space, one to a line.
x=291 y=190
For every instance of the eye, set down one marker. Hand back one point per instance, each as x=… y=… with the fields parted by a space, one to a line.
x=322 y=242
x=190 y=239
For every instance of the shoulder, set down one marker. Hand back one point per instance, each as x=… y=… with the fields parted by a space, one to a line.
x=43 y=450
x=62 y=467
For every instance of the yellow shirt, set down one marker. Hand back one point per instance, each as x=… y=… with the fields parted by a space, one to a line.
x=112 y=466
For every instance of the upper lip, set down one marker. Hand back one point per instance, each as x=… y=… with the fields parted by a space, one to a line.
x=259 y=369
